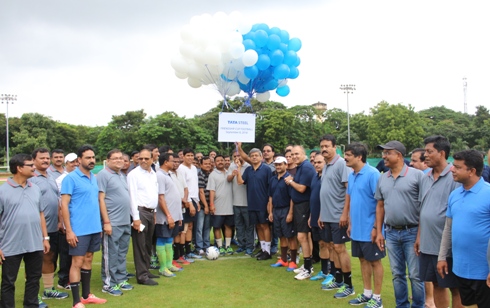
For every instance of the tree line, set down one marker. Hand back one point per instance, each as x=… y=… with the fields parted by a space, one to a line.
x=275 y=124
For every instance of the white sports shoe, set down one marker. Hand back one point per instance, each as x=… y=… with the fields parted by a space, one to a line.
x=301 y=269
x=303 y=275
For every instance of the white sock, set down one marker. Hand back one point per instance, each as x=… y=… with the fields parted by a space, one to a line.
x=377 y=296
x=268 y=247
x=262 y=245
x=227 y=241
x=368 y=293
x=219 y=242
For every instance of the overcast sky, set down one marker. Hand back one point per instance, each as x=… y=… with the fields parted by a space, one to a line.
x=81 y=62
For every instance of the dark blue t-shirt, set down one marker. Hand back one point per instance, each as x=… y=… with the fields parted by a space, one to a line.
x=279 y=191
x=304 y=173
x=257 y=187
x=316 y=184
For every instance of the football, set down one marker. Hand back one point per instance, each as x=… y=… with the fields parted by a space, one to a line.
x=212 y=253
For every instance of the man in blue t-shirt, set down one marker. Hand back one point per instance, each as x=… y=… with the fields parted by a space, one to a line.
x=467 y=230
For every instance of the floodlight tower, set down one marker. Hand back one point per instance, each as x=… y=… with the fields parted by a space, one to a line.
x=348 y=88
x=8 y=99
x=465 y=85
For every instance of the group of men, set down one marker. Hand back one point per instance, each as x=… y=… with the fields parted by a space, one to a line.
x=422 y=216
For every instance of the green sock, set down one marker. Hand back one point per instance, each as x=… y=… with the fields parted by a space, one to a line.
x=162 y=255
x=170 y=252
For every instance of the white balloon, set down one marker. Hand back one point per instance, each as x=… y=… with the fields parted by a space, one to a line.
x=282 y=82
x=230 y=72
x=250 y=57
x=237 y=50
x=263 y=97
x=186 y=33
x=195 y=71
x=181 y=75
x=187 y=50
x=233 y=88
x=212 y=54
x=242 y=78
x=179 y=64
x=194 y=83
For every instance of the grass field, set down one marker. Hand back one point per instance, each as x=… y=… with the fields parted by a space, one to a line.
x=230 y=281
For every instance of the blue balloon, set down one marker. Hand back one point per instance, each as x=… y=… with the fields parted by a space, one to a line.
x=249 y=44
x=284 y=36
x=275 y=30
x=263 y=62
x=261 y=38
x=276 y=57
x=274 y=42
x=262 y=26
x=294 y=44
x=298 y=62
x=283 y=91
x=249 y=36
x=251 y=72
x=290 y=58
x=293 y=72
x=281 y=71
x=284 y=48
x=271 y=85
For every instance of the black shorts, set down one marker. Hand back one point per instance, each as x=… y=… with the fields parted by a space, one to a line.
x=187 y=216
x=258 y=217
x=428 y=271
x=163 y=230
x=367 y=250
x=315 y=234
x=474 y=292
x=281 y=227
x=86 y=243
x=219 y=221
x=301 y=214
x=332 y=232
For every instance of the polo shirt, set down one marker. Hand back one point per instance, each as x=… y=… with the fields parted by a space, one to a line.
x=170 y=192
x=115 y=187
x=223 y=199
x=20 y=220
x=143 y=190
x=179 y=181
x=270 y=165
x=433 y=197
x=49 y=200
x=239 y=191
x=279 y=191
x=316 y=184
x=304 y=173
x=470 y=212
x=192 y=181
x=84 y=203
x=332 y=194
x=361 y=189
x=400 y=196
x=257 y=181
x=54 y=172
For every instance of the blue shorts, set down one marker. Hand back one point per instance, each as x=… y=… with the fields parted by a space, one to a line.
x=187 y=216
x=86 y=243
x=281 y=227
x=222 y=220
x=315 y=234
x=332 y=232
x=301 y=214
x=258 y=217
x=367 y=250
x=428 y=271
x=163 y=230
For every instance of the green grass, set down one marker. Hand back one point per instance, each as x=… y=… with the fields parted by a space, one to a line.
x=230 y=281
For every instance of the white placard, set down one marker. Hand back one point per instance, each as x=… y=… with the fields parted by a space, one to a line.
x=236 y=127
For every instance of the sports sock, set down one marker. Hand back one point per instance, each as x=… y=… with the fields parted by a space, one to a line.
x=308 y=264
x=181 y=250
x=324 y=263
x=219 y=242
x=377 y=296
x=338 y=274
x=348 y=279
x=162 y=254
x=85 y=274
x=169 y=250
x=262 y=245
x=75 y=292
x=48 y=281
x=227 y=241
x=284 y=254
x=368 y=293
x=268 y=247
x=294 y=254
x=176 y=251
x=187 y=247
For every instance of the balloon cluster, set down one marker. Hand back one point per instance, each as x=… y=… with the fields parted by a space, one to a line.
x=227 y=52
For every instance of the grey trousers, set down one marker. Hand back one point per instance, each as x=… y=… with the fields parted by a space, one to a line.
x=114 y=250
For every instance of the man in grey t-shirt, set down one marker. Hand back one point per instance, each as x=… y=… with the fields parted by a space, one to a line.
x=115 y=209
x=399 y=207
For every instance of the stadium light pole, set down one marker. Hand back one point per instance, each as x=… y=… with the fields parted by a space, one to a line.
x=8 y=99
x=348 y=88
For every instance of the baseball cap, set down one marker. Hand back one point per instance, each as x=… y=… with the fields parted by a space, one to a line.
x=280 y=160
x=393 y=145
x=70 y=157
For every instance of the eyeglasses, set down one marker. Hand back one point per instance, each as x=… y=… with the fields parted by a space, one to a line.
x=28 y=165
x=144 y=158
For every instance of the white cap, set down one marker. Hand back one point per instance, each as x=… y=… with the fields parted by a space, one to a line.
x=280 y=160
x=70 y=157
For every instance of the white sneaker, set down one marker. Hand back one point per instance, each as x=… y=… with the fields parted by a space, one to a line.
x=303 y=275
x=201 y=252
x=301 y=269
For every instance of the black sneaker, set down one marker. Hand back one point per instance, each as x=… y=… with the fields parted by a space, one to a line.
x=264 y=256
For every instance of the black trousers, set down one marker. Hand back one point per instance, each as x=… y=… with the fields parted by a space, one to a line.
x=33 y=268
x=142 y=245
x=65 y=260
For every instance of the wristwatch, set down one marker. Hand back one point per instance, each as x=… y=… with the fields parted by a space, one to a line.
x=46 y=238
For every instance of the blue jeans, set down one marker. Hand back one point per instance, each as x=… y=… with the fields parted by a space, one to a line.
x=244 y=230
x=401 y=253
x=203 y=228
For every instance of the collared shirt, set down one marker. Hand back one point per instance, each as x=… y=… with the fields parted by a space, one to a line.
x=304 y=173
x=20 y=220
x=361 y=190
x=470 y=212
x=400 y=196
x=433 y=197
x=49 y=200
x=115 y=187
x=191 y=179
x=279 y=191
x=143 y=190
x=332 y=193
x=203 y=178
x=180 y=182
x=170 y=192
x=54 y=172
x=257 y=181
x=316 y=184
x=239 y=191
x=223 y=199
x=84 y=202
